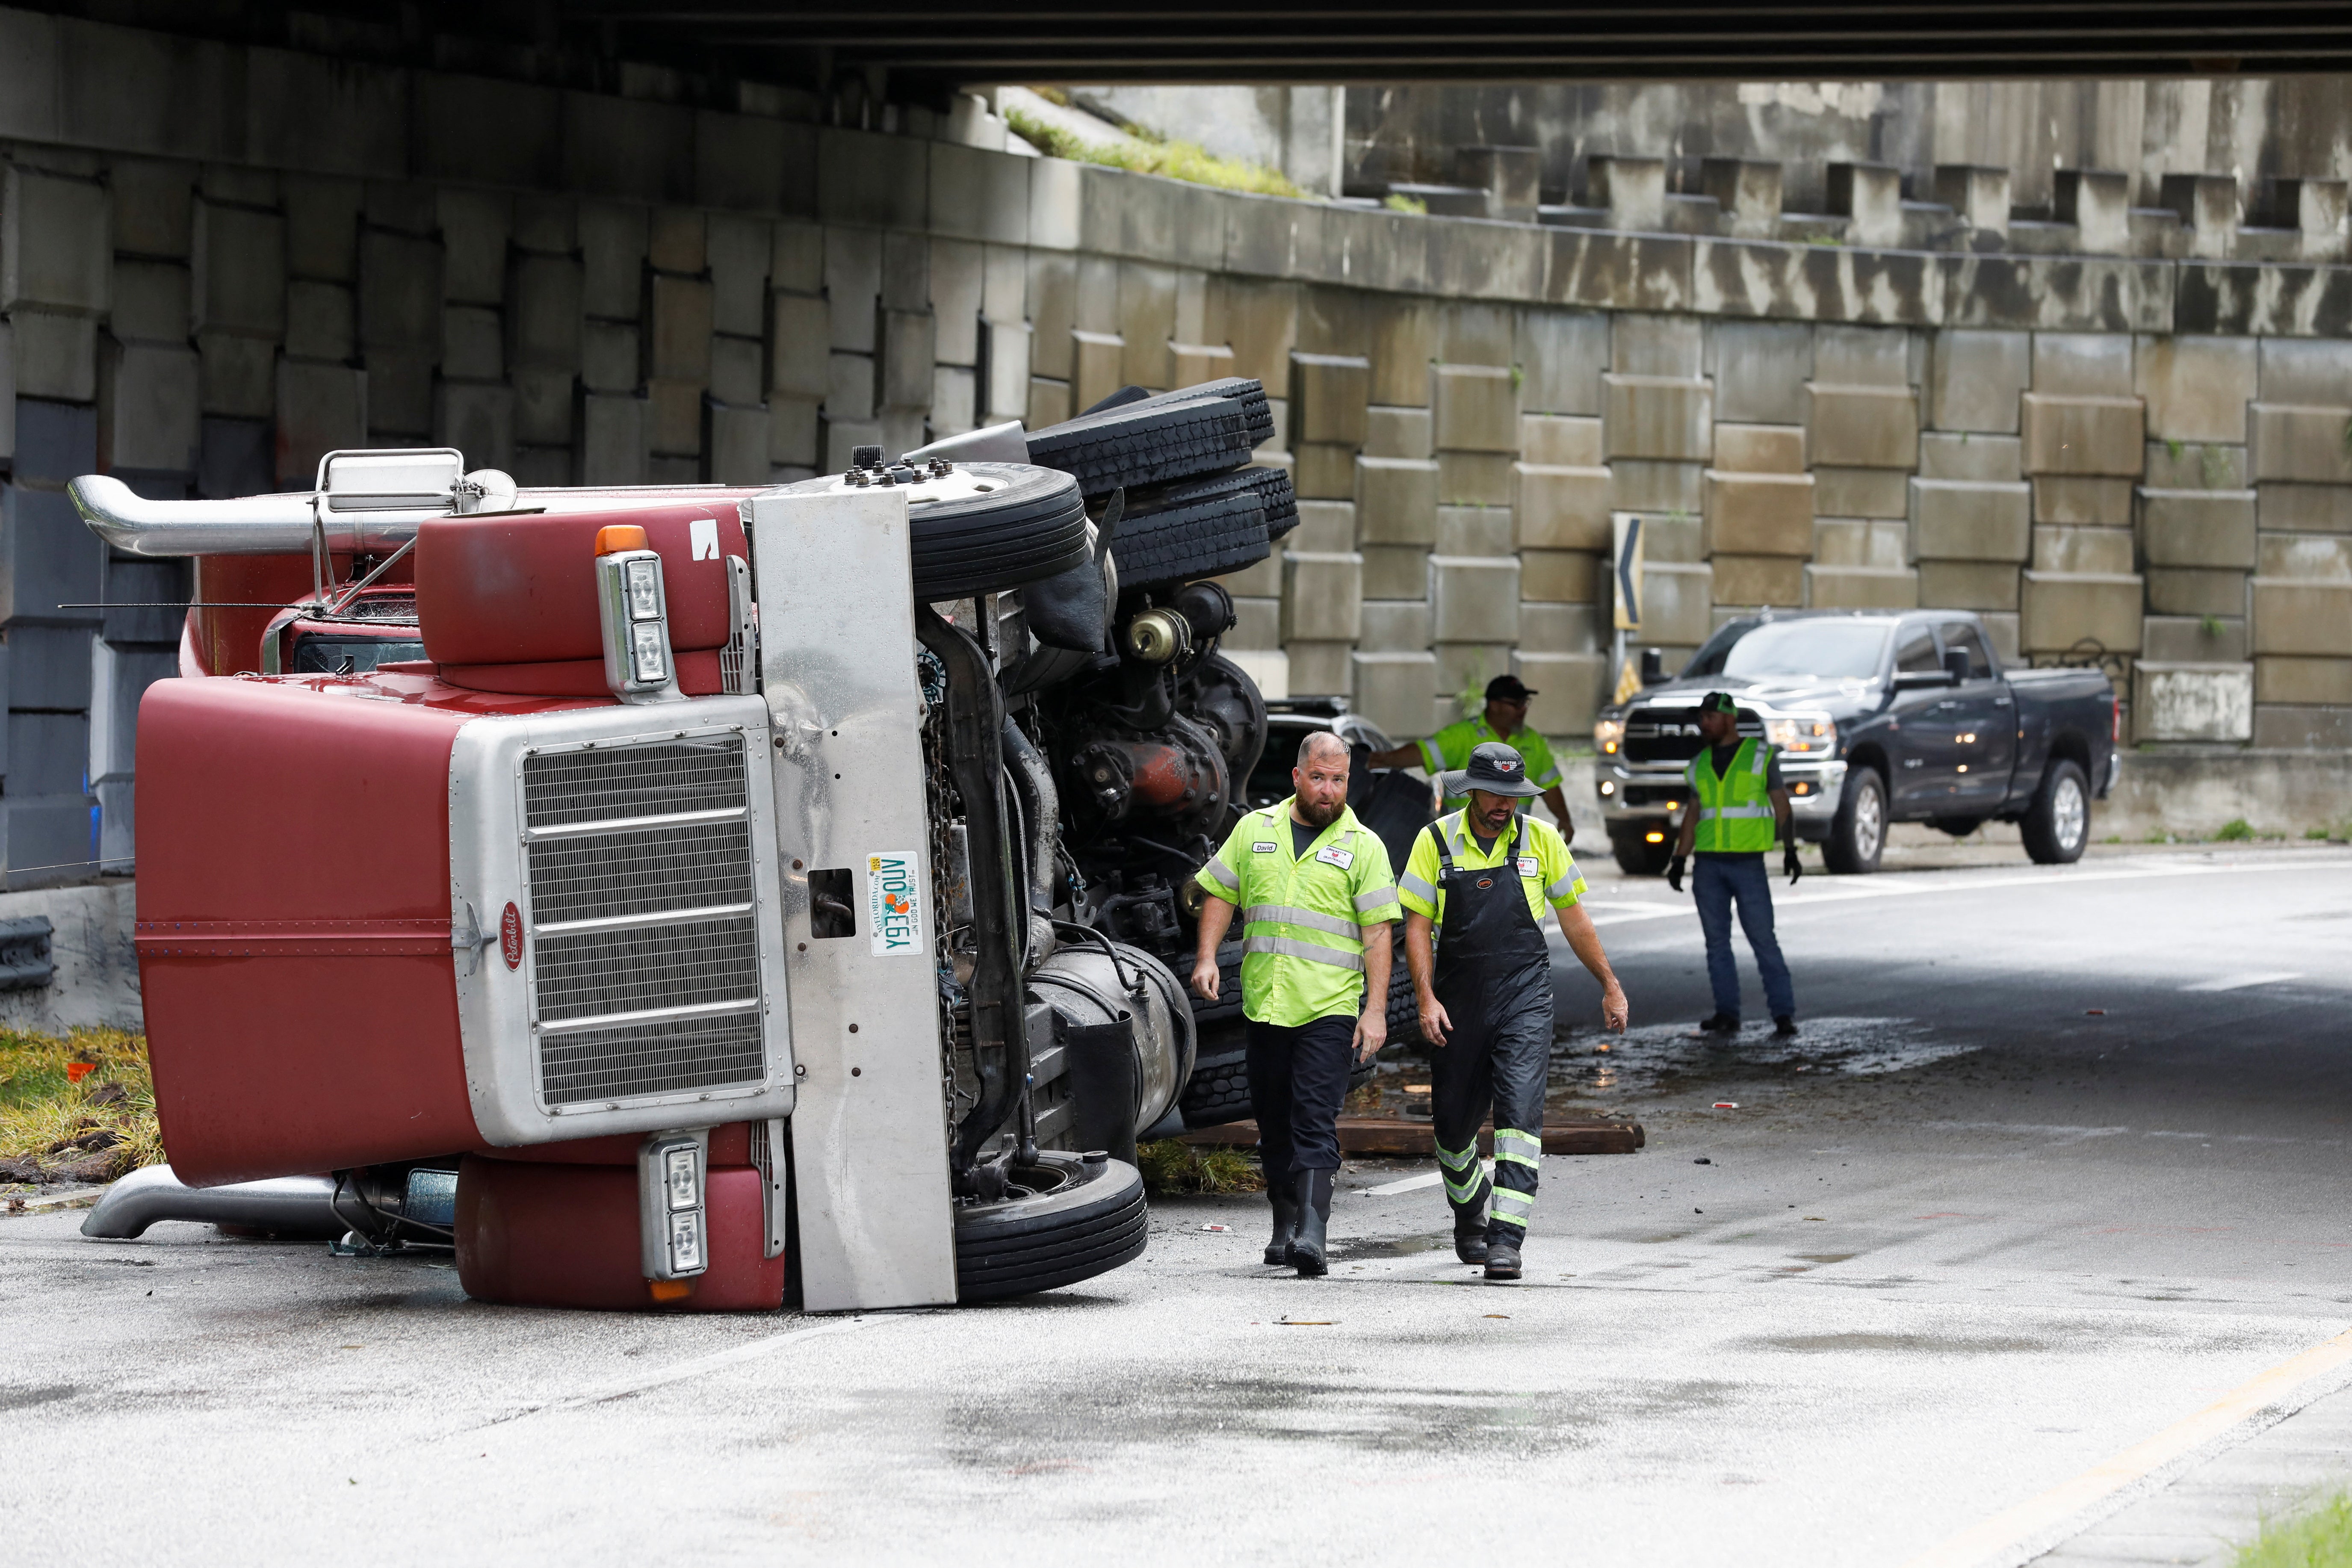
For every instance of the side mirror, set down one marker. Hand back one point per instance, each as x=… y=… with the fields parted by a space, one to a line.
x=1956 y=665
x=1654 y=667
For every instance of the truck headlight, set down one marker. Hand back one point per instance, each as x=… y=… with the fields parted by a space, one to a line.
x=1609 y=736
x=1808 y=734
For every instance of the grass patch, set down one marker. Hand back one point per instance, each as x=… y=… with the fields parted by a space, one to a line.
x=2237 y=830
x=1397 y=202
x=1173 y=1168
x=2321 y=1538
x=1151 y=154
x=76 y=1108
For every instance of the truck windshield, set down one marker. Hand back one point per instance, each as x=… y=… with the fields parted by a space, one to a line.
x=1831 y=650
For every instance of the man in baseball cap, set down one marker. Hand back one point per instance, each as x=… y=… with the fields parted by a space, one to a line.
x=1739 y=806
x=1505 y=720
x=1474 y=893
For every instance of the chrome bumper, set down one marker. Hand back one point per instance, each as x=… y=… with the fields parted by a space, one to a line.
x=1814 y=790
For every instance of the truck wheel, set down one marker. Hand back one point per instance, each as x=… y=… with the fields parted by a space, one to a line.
x=1858 y=833
x=1201 y=529
x=1185 y=434
x=1027 y=525
x=1218 y=1090
x=2058 y=824
x=1636 y=856
x=1405 y=1008
x=1073 y=1219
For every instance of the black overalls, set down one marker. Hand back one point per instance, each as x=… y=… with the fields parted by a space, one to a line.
x=1493 y=977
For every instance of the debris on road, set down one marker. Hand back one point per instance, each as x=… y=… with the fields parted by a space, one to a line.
x=1726 y=1105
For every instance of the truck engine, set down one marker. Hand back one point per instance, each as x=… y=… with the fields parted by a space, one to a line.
x=693 y=898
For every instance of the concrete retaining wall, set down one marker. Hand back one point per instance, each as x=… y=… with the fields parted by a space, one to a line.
x=223 y=261
x=97 y=970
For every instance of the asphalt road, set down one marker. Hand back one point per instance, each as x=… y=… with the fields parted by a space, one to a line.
x=2060 y=1161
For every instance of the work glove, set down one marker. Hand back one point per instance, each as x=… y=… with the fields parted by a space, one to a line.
x=1790 y=864
x=1674 y=873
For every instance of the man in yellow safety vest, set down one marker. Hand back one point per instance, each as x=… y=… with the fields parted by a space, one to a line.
x=1316 y=898
x=1738 y=807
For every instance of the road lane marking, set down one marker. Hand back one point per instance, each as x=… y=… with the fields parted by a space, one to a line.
x=2041 y=1522
x=2239 y=981
x=1427 y=1179
x=678 y=1372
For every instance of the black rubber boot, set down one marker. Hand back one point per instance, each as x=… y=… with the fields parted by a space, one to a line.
x=1314 y=1200
x=1719 y=1024
x=1470 y=1235
x=1502 y=1259
x=1286 y=1226
x=1785 y=1026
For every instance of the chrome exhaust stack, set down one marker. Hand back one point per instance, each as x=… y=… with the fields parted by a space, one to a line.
x=366 y=502
x=301 y=1207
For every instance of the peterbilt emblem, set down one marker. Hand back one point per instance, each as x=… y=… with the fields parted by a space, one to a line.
x=511 y=937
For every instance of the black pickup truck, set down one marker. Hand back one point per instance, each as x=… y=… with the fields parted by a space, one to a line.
x=1881 y=716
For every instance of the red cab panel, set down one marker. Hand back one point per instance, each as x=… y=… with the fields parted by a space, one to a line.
x=294 y=927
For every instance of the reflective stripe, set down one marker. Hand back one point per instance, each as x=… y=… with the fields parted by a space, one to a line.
x=1221 y=874
x=1463 y=1176
x=1286 y=947
x=1378 y=898
x=1430 y=760
x=1520 y=1148
x=1707 y=812
x=1560 y=891
x=1459 y=1159
x=1551 y=776
x=1512 y=1207
x=1408 y=883
x=1290 y=915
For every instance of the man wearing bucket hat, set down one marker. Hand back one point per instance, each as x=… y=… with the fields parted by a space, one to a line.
x=1738 y=806
x=1474 y=893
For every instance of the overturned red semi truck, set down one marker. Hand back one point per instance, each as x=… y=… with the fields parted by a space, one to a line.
x=684 y=874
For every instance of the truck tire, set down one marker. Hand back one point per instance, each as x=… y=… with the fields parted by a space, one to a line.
x=1858 y=833
x=1158 y=440
x=1030 y=524
x=1201 y=529
x=1218 y=1090
x=1405 y=1007
x=1636 y=856
x=1083 y=1217
x=1033 y=529
x=2058 y=824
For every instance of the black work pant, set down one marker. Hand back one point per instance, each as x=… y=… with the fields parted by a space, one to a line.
x=1498 y=1057
x=1297 y=1077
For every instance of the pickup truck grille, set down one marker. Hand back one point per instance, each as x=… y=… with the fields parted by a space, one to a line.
x=1657 y=737
x=643 y=946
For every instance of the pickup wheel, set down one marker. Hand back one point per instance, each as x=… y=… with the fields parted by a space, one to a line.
x=1070 y=1219
x=1636 y=856
x=2058 y=824
x=1858 y=832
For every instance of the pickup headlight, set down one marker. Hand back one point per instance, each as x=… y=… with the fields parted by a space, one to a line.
x=1609 y=736
x=1807 y=734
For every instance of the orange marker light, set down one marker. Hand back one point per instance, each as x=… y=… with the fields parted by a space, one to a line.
x=613 y=538
x=667 y=1289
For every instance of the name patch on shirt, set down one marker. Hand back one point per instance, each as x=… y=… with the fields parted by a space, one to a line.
x=1527 y=866
x=1261 y=848
x=1334 y=855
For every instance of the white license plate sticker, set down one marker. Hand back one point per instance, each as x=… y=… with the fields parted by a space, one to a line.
x=893 y=903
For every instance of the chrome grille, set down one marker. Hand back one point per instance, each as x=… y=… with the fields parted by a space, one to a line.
x=643 y=948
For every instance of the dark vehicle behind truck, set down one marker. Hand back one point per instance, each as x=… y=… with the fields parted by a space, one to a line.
x=1881 y=717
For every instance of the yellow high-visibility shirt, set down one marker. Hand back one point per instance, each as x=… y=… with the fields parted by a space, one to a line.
x=1450 y=749
x=1546 y=869
x=1301 y=915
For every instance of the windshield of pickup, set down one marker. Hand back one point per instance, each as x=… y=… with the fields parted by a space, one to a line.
x=1826 y=650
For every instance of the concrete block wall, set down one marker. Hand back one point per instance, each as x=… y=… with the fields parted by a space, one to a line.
x=2137 y=458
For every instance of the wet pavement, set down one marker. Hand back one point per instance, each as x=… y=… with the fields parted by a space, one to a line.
x=2060 y=1160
